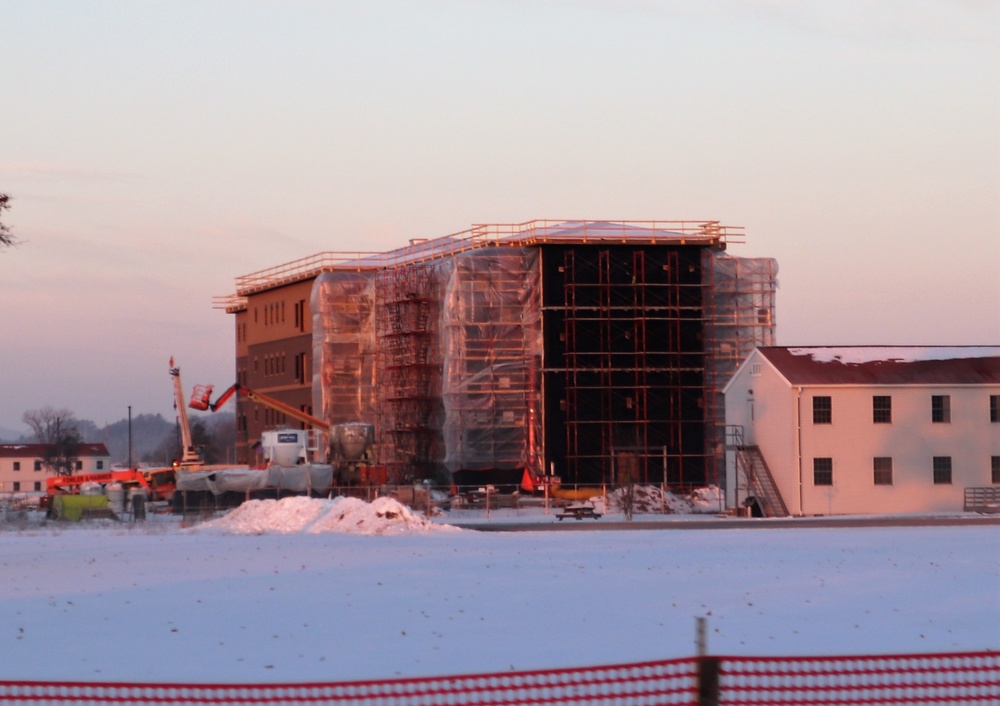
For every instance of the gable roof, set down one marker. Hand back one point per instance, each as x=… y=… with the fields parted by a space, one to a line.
x=36 y=450
x=886 y=365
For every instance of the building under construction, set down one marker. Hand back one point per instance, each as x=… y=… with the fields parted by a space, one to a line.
x=595 y=351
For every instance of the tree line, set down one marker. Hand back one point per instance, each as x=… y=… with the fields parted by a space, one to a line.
x=154 y=440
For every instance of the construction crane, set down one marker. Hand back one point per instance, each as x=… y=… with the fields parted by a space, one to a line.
x=189 y=454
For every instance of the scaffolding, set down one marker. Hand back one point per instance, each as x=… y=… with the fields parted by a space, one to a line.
x=595 y=349
x=408 y=407
x=624 y=369
x=343 y=305
x=740 y=316
x=491 y=329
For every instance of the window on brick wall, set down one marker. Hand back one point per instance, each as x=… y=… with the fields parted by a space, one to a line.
x=942 y=470
x=995 y=469
x=882 y=470
x=995 y=408
x=822 y=471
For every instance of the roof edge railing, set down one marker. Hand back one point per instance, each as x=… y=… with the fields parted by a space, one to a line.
x=482 y=235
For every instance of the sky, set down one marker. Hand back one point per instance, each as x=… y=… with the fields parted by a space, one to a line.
x=303 y=590
x=155 y=151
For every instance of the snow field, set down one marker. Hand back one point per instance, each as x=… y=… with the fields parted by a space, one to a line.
x=271 y=595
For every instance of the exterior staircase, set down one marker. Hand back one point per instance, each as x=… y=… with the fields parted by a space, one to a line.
x=751 y=461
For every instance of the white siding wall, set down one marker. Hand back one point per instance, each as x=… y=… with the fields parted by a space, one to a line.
x=27 y=476
x=767 y=397
x=853 y=440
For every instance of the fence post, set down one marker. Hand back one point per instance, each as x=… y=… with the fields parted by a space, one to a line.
x=708 y=667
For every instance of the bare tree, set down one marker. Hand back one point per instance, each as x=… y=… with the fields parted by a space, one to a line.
x=56 y=430
x=6 y=238
x=627 y=474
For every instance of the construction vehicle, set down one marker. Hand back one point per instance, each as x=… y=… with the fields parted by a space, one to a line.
x=348 y=446
x=158 y=483
x=189 y=454
x=201 y=400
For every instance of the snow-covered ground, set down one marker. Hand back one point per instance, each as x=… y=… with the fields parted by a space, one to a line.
x=320 y=590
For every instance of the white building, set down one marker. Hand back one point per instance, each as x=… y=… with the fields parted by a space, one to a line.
x=863 y=430
x=22 y=470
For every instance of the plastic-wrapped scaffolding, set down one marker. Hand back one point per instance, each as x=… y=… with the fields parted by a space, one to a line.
x=408 y=368
x=739 y=317
x=492 y=347
x=343 y=305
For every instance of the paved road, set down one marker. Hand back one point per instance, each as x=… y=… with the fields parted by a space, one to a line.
x=729 y=523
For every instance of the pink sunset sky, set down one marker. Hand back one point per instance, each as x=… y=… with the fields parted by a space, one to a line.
x=156 y=150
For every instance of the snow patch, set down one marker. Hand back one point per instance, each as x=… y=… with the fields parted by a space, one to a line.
x=650 y=499
x=856 y=355
x=302 y=515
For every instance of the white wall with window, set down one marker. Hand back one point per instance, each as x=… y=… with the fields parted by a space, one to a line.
x=870 y=430
x=22 y=470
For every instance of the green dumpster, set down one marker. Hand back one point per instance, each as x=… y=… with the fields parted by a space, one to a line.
x=71 y=507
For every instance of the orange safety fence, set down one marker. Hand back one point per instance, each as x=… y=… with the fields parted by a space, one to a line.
x=887 y=680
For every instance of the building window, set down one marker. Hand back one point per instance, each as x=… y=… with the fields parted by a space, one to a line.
x=17 y=485
x=100 y=465
x=38 y=485
x=995 y=408
x=822 y=410
x=79 y=465
x=882 y=409
x=882 y=470
x=17 y=465
x=38 y=465
x=995 y=469
x=822 y=471
x=942 y=470
x=940 y=409
x=755 y=369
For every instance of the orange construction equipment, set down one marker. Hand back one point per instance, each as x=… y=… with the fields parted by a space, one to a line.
x=159 y=483
x=201 y=399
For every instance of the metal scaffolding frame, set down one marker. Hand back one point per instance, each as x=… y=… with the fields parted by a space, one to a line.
x=408 y=398
x=598 y=350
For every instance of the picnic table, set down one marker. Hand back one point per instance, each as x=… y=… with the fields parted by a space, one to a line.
x=578 y=512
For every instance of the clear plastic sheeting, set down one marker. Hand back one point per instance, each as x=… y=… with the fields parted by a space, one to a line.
x=739 y=317
x=491 y=327
x=301 y=478
x=343 y=305
x=441 y=348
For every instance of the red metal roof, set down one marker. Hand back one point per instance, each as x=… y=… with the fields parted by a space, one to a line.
x=35 y=450
x=887 y=365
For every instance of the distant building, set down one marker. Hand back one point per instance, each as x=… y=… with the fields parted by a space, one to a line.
x=22 y=470
x=861 y=430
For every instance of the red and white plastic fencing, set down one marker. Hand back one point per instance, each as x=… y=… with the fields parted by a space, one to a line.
x=907 y=680
x=893 y=680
